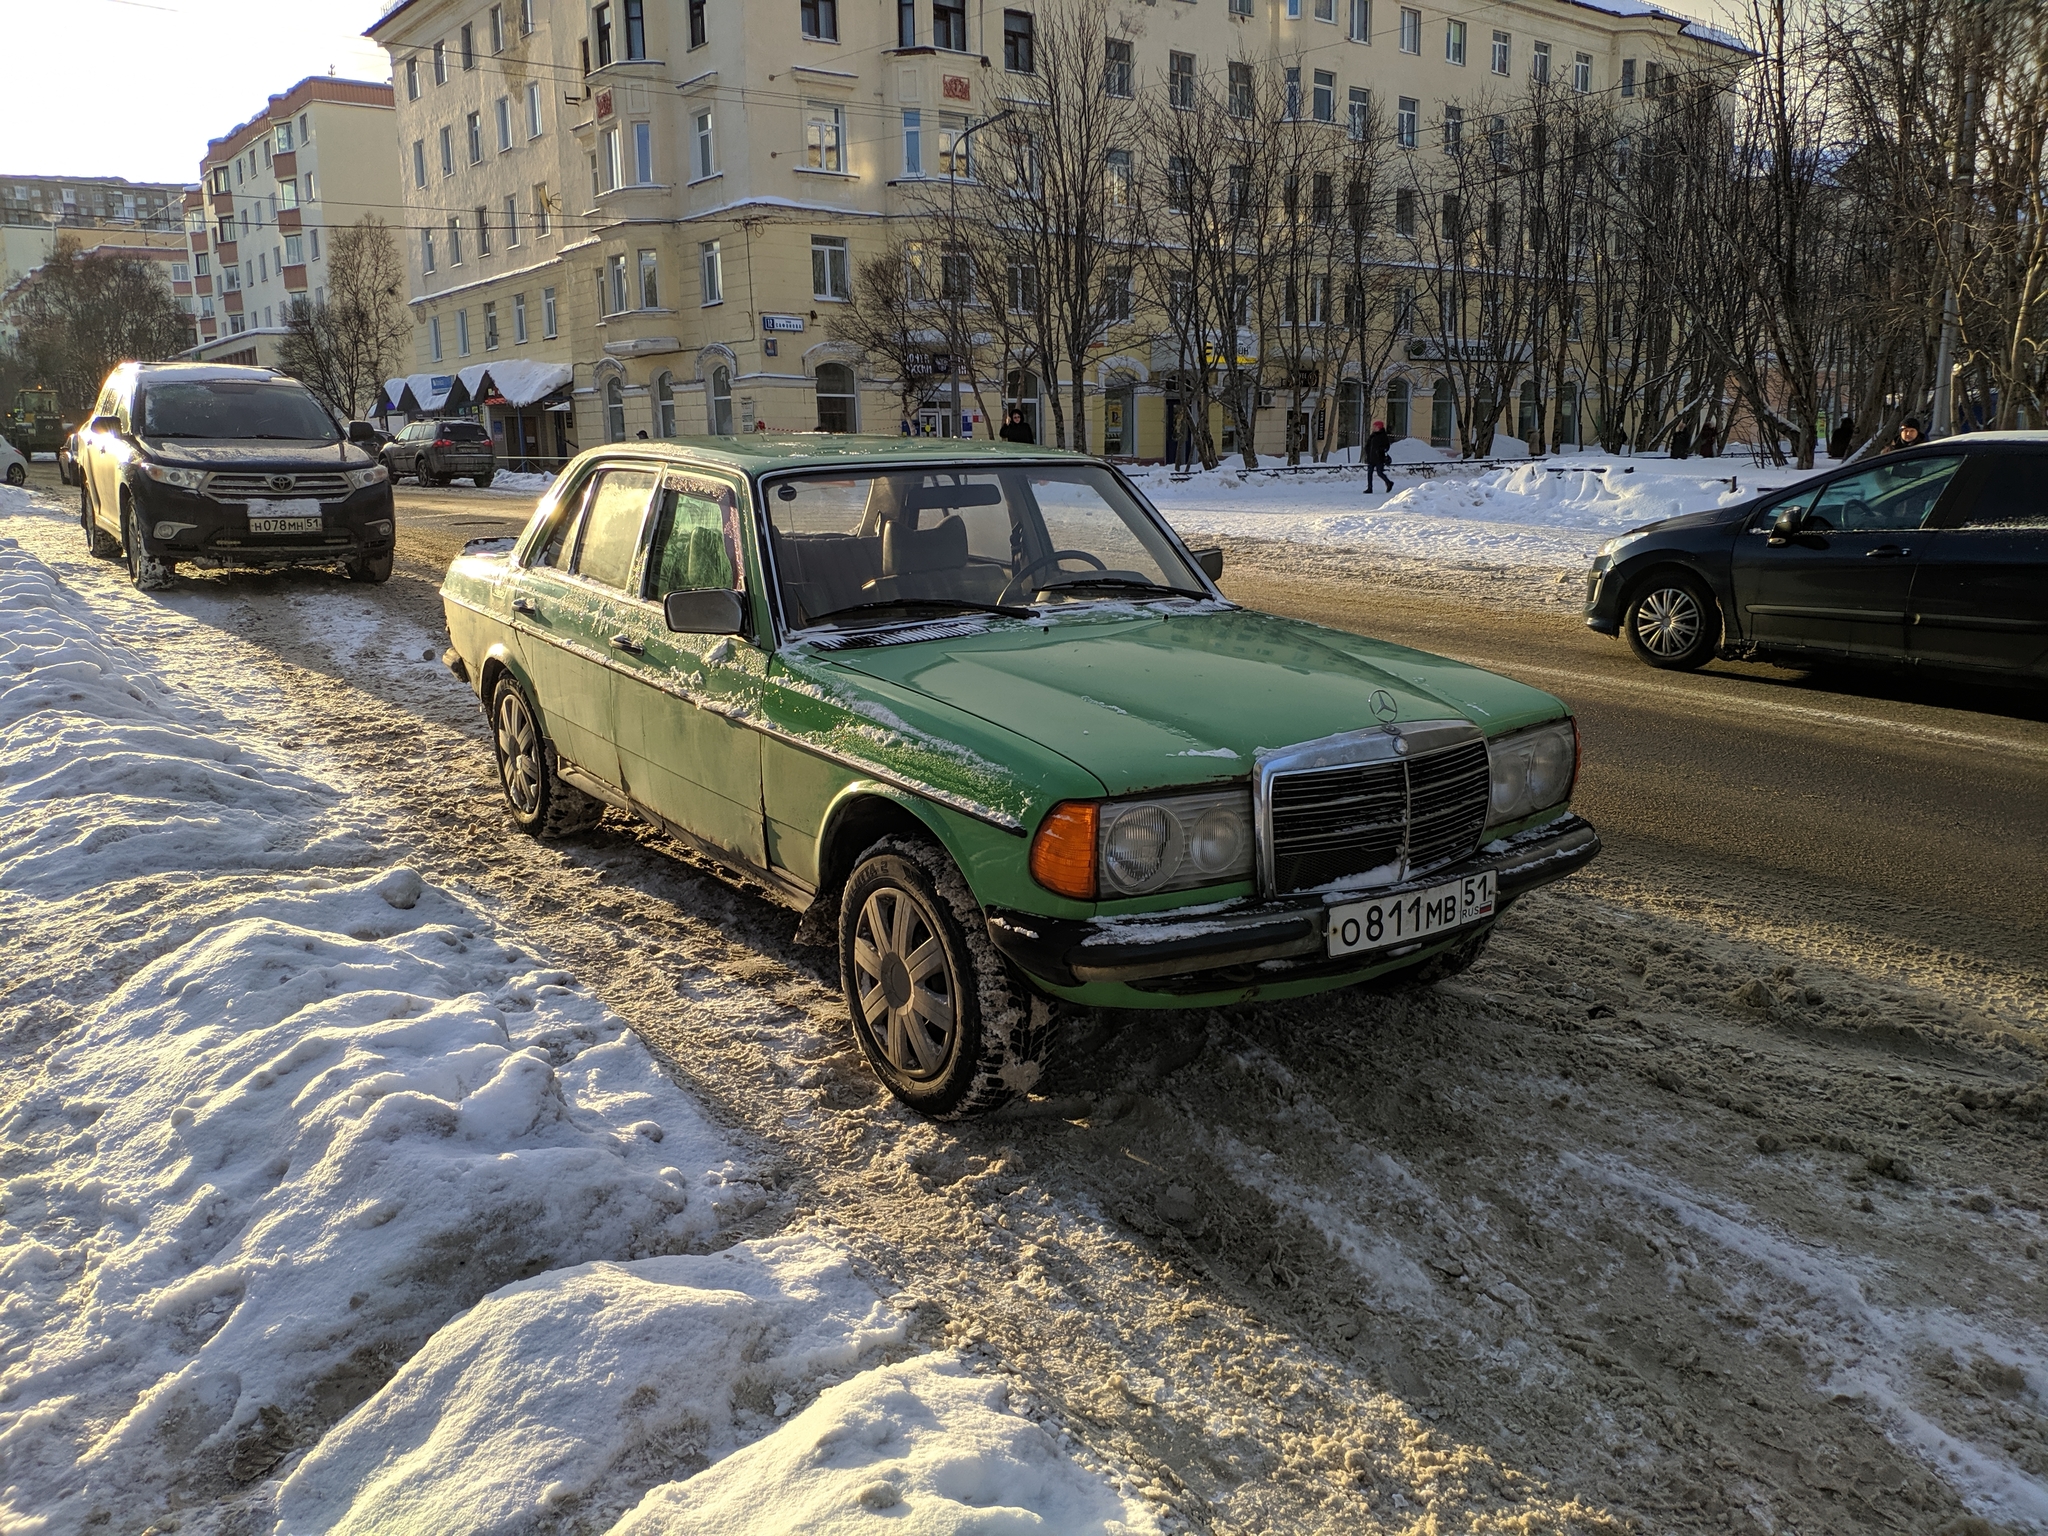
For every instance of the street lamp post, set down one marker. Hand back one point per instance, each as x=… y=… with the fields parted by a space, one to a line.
x=952 y=232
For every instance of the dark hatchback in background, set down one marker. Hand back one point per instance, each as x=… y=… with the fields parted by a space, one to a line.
x=1934 y=557
x=436 y=452
x=240 y=466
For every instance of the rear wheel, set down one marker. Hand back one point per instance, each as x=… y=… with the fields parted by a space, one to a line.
x=98 y=543
x=419 y=473
x=542 y=803
x=1672 y=622
x=144 y=569
x=17 y=474
x=483 y=482
x=948 y=1026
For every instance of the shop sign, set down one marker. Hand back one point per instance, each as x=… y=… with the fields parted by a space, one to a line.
x=782 y=322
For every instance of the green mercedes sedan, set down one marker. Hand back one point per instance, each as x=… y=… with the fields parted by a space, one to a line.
x=979 y=714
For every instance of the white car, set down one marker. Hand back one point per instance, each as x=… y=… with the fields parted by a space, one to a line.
x=13 y=467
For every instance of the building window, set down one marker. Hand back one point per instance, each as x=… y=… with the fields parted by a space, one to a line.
x=475 y=124
x=821 y=19
x=1539 y=64
x=1116 y=296
x=490 y=327
x=455 y=241
x=547 y=313
x=1628 y=77
x=504 y=114
x=664 y=405
x=533 y=126
x=824 y=136
x=433 y=336
x=316 y=242
x=284 y=138
x=1324 y=105
x=294 y=254
x=1651 y=74
x=601 y=33
x=1497 y=139
x=611 y=169
x=447 y=151
x=831 y=276
x=1454 y=129
x=1454 y=42
x=707 y=160
x=949 y=25
x=497 y=29
x=906 y=23
x=541 y=224
x=650 y=285
x=1407 y=120
x=1240 y=7
x=440 y=63
x=511 y=221
x=838 y=403
x=712 y=266
x=1240 y=89
x=1180 y=81
x=462 y=333
x=419 y=162
x=634 y=13
x=1582 y=73
x=1404 y=212
x=1361 y=21
x=615 y=271
x=1361 y=110
x=643 y=154
x=1117 y=168
x=427 y=250
x=615 y=410
x=468 y=47
x=1411 y=30
x=1017 y=41
x=1292 y=106
x=1116 y=67
x=1326 y=10
x=518 y=319
x=483 y=231
x=913 y=142
x=1180 y=183
x=718 y=415
x=412 y=79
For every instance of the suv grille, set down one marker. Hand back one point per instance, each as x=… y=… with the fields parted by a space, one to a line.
x=245 y=487
x=1333 y=823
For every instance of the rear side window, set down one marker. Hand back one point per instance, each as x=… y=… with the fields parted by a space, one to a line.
x=611 y=526
x=561 y=537
x=2012 y=493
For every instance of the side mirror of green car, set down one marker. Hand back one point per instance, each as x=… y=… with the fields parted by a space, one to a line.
x=704 y=611
x=1211 y=562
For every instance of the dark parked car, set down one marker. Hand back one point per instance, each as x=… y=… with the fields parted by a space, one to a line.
x=436 y=452
x=1935 y=556
x=200 y=461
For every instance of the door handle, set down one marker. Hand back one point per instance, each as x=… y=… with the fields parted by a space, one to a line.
x=525 y=605
x=626 y=643
x=1885 y=552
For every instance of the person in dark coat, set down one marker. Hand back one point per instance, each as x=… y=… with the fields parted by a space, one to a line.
x=1379 y=453
x=1908 y=436
x=1681 y=440
x=1842 y=438
x=1016 y=429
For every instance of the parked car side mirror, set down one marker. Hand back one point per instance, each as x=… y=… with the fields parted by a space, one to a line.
x=704 y=611
x=104 y=424
x=1211 y=562
x=362 y=432
x=1787 y=527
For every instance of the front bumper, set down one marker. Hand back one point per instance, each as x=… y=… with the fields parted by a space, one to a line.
x=200 y=528
x=1602 y=611
x=1257 y=941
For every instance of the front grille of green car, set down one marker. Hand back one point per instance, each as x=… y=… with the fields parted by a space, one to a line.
x=1335 y=823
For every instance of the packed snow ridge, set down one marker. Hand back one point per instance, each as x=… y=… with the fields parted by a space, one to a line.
x=331 y=1203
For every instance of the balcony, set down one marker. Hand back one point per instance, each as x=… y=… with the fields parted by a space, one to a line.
x=294 y=278
x=202 y=285
x=226 y=252
x=222 y=203
x=287 y=220
x=232 y=302
x=284 y=165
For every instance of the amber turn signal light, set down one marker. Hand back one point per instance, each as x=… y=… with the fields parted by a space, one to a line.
x=1063 y=852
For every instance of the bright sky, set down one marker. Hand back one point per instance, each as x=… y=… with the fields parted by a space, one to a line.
x=135 y=88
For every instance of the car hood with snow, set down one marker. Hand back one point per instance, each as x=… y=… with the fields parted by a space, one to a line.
x=243 y=453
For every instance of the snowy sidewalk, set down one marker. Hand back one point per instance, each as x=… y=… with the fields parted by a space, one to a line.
x=331 y=1202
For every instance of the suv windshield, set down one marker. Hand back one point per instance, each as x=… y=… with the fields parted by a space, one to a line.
x=231 y=408
x=865 y=548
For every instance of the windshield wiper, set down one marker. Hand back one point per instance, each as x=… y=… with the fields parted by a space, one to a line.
x=927 y=604
x=1120 y=583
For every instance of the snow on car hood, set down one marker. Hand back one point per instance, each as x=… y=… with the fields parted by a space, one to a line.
x=255 y=453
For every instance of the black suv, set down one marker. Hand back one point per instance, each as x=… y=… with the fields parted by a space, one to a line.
x=435 y=452
x=1934 y=556
x=191 y=461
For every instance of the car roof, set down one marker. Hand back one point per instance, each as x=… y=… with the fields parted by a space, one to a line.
x=202 y=373
x=759 y=452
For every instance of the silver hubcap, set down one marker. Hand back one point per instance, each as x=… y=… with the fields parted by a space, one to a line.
x=1668 y=621
x=518 y=754
x=907 y=993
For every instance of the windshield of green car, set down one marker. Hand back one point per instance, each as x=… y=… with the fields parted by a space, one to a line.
x=896 y=543
x=232 y=409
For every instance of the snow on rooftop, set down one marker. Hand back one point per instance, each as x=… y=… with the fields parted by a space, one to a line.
x=521 y=380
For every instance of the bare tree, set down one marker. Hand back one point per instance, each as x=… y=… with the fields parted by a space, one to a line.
x=82 y=313
x=343 y=348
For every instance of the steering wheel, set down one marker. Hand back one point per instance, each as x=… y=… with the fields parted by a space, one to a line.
x=1856 y=513
x=1017 y=587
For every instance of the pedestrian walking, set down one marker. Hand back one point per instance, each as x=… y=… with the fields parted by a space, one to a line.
x=1908 y=436
x=1379 y=453
x=1017 y=430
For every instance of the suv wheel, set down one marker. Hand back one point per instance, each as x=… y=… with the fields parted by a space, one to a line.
x=419 y=472
x=543 y=804
x=144 y=569
x=949 y=1027
x=1672 y=622
x=483 y=482
x=98 y=543
x=371 y=568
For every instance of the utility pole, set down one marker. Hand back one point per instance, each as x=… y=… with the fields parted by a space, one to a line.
x=1961 y=186
x=952 y=234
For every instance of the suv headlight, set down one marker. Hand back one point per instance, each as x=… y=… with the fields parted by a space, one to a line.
x=1116 y=848
x=1532 y=770
x=358 y=479
x=164 y=474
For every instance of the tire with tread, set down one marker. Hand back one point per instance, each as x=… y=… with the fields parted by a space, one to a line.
x=98 y=542
x=998 y=1034
x=419 y=472
x=371 y=568
x=17 y=474
x=483 y=482
x=543 y=803
x=1672 y=621
x=144 y=569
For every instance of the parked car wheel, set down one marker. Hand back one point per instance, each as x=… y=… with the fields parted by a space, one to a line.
x=419 y=472
x=948 y=1026
x=371 y=568
x=17 y=474
x=483 y=482
x=1672 y=622
x=144 y=569
x=543 y=804
x=98 y=542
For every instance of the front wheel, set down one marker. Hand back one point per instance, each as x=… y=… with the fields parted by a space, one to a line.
x=1672 y=622
x=371 y=568
x=542 y=802
x=947 y=1025
x=144 y=569
x=17 y=474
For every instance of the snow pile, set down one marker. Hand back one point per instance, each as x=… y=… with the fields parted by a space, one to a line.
x=1608 y=498
x=519 y=482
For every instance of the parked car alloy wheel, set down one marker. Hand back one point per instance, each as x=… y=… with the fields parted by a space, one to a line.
x=17 y=474
x=144 y=569
x=543 y=804
x=1673 y=622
